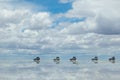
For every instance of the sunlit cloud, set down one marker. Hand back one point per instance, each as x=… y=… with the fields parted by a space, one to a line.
x=89 y=26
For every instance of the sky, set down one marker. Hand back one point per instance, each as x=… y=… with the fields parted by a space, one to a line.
x=64 y=28
x=59 y=26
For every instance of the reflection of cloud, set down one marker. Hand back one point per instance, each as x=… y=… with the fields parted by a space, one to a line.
x=32 y=71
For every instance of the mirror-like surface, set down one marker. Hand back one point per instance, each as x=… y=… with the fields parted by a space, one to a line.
x=25 y=68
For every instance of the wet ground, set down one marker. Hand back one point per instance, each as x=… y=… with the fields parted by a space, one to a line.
x=14 y=67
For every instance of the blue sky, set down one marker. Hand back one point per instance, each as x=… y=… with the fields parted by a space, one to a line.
x=65 y=28
x=53 y=6
x=59 y=27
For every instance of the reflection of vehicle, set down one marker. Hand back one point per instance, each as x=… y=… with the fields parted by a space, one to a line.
x=112 y=59
x=37 y=60
x=73 y=60
x=95 y=59
x=57 y=60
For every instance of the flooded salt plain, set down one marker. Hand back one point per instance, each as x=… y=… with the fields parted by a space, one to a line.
x=14 y=67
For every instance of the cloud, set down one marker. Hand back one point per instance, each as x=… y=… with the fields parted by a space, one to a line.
x=26 y=31
x=102 y=16
x=14 y=16
x=82 y=29
x=41 y=20
x=20 y=29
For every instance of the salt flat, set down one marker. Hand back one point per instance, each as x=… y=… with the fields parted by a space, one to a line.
x=47 y=69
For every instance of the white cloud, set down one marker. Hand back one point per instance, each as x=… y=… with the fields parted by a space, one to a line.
x=20 y=29
x=41 y=20
x=26 y=31
x=8 y=17
x=102 y=16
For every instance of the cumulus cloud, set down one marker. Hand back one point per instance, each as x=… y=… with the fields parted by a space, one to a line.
x=41 y=20
x=20 y=29
x=23 y=30
x=8 y=17
x=102 y=16
x=84 y=28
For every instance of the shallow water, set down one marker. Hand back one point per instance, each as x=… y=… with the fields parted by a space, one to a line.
x=19 y=67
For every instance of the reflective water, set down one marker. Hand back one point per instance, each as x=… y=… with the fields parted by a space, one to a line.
x=19 y=67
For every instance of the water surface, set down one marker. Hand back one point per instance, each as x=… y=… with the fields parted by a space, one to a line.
x=22 y=67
